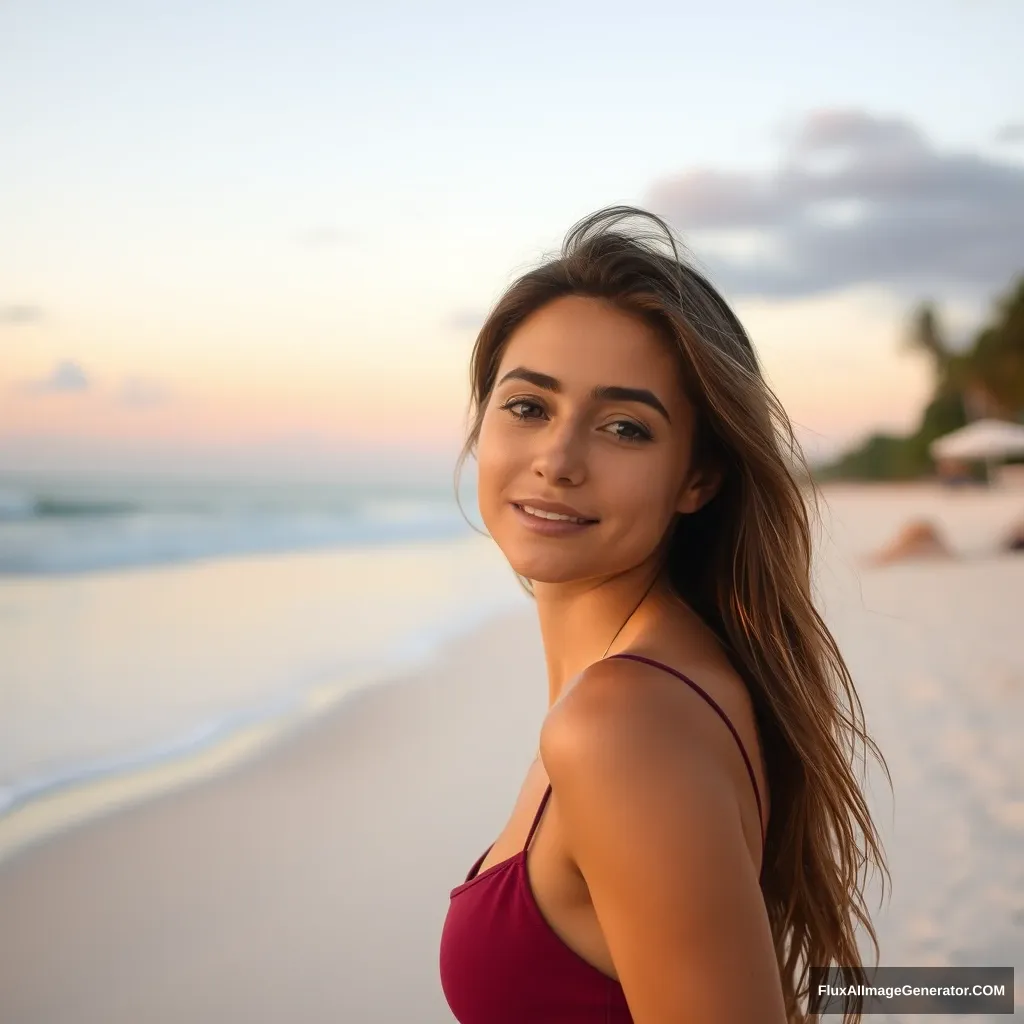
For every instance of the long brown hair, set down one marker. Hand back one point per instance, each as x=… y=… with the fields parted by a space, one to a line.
x=743 y=563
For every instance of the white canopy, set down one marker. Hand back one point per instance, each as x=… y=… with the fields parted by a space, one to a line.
x=983 y=439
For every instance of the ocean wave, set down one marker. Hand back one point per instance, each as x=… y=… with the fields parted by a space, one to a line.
x=18 y=792
x=45 y=531
x=37 y=547
x=16 y=504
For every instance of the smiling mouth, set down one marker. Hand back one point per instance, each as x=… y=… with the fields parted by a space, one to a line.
x=556 y=517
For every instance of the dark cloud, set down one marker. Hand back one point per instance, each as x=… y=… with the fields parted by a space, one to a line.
x=12 y=315
x=855 y=199
x=1013 y=132
x=67 y=375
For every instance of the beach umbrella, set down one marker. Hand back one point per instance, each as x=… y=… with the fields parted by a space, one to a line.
x=983 y=439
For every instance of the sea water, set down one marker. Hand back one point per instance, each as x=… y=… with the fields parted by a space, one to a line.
x=144 y=622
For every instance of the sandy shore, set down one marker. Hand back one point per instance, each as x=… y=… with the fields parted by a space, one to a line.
x=308 y=885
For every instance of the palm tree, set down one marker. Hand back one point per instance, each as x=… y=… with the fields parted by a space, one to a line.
x=998 y=354
x=965 y=375
x=925 y=336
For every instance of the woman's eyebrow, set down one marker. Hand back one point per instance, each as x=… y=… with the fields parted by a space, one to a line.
x=600 y=392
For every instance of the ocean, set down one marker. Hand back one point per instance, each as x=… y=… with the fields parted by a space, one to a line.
x=143 y=622
x=51 y=525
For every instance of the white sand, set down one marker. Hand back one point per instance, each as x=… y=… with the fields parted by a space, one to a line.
x=311 y=884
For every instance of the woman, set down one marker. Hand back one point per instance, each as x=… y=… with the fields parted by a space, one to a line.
x=685 y=847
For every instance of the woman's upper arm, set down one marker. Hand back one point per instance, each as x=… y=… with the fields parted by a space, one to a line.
x=651 y=815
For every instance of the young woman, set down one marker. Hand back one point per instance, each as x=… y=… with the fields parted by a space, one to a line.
x=691 y=840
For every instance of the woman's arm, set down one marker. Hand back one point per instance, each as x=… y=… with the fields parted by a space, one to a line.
x=650 y=805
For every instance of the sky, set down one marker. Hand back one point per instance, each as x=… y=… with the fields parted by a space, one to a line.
x=258 y=239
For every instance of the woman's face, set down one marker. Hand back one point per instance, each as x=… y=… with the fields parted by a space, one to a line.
x=621 y=459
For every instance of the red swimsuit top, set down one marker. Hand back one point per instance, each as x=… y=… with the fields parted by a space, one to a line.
x=501 y=962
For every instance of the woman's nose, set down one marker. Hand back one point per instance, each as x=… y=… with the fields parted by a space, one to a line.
x=560 y=454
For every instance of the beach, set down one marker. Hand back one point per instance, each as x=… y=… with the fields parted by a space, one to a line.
x=308 y=885
x=307 y=878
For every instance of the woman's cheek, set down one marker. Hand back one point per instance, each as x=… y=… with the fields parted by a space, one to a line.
x=491 y=475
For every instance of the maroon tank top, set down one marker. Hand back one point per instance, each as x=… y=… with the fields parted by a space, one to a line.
x=501 y=962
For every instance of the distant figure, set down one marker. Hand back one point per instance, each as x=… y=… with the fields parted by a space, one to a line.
x=918 y=539
x=954 y=473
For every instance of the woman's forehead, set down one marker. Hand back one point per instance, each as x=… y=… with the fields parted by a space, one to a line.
x=582 y=351
x=579 y=339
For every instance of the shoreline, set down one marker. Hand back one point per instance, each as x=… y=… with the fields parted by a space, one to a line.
x=308 y=883
x=125 y=683
x=40 y=819
x=66 y=806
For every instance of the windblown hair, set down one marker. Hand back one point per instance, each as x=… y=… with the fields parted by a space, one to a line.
x=743 y=562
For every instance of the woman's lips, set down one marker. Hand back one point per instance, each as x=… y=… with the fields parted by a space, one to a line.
x=550 y=527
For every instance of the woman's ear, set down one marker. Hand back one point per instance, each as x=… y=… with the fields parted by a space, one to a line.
x=701 y=486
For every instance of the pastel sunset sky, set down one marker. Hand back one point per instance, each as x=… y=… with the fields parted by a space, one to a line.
x=259 y=237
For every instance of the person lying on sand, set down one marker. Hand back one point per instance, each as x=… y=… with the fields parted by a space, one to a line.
x=918 y=539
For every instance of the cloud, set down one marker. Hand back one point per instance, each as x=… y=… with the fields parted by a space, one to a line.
x=854 y=200
x=15 y=315
x=141 y=392
x=67 y=375
x=1013 y=132
x=825 y=130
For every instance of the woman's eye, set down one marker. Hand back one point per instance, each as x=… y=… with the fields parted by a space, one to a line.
x=637 y=433
x=520 y=409
x=511 y=407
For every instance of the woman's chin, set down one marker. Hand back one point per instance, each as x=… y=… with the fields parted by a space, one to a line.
x=548 y=568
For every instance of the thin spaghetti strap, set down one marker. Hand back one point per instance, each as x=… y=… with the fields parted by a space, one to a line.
x=536 y=817
x=725 y=718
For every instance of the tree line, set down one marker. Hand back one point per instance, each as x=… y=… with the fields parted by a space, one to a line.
x=984 y=379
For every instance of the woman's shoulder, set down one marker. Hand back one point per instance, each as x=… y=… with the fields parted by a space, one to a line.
x=663 y=712
x=649 y=689
x=651 y=681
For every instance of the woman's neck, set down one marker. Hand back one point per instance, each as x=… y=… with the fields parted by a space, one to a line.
x=579 y=620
